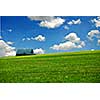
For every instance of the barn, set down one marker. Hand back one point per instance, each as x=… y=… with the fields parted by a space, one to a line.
x=22 y=52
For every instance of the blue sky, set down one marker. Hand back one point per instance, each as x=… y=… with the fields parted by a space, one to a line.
x=43 y=32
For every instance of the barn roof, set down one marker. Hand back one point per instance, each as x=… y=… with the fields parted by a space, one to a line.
x=24 y=51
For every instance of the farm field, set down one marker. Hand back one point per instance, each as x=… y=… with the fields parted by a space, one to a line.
x=73 y=67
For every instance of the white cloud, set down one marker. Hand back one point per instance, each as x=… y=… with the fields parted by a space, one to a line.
x=23 y=39
x=82 y=43
x=38 y=51
x=72 y=37
x=0 y=37
x=32 y=38
x=70 y=23
x=48 y=21
x=6 y=50
x=9 y=30
x=53 y=23
x=72 y=41
x=78 y=21
x=64 y=46
x=66 y=27
x=28 y=39
x=96 y=21
x=93 y=33
x=10 y=43
x=99 y=42
x=92 y=49
x=98 y=17
x=40 y=38
x=41 y=18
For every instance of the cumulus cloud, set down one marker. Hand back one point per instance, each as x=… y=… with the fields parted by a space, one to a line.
x=32 y=38
x=6 y=50
x=66 y=27
x=38 y=51
x=99 y=42
x=72 y=41
x=40 y=38
x=96 y=21
x=64 y=46
x=72 y=37
x=9 y=30
x=78 y=21
x=0 y=37
x=53 y=23
x=28 y=39
x=48 y=21
x=82 y=44
x=23 y=39
x=94 y=33
x=41 y=18
x=10 y=43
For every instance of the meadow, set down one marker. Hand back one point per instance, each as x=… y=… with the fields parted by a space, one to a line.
x=73 y=67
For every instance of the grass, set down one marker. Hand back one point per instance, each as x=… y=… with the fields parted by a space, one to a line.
x=74 y=67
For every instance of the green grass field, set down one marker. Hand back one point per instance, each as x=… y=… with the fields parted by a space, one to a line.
x=70 y=67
